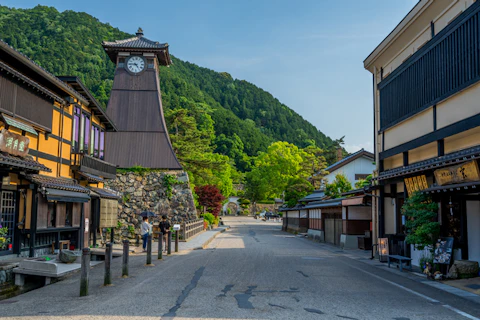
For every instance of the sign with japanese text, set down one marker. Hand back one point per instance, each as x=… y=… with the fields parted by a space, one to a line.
x=13 y=143
x=465 y=172
x=416 y=184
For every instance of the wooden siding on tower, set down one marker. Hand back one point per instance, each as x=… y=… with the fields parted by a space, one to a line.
x=148 y=149
x=136 y=110
x=143 y=81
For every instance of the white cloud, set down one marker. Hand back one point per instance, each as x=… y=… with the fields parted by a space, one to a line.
x=368 y=146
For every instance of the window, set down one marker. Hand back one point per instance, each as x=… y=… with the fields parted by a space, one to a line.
x=51 y=215
x=102 y=144
x=95 y=143
x=76 y=129
x=84 y=133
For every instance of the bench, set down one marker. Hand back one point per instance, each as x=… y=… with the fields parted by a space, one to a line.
x=400 y=260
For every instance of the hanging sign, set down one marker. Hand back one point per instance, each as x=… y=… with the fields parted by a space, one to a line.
x=13 y=143
x=417 y=183
x=465 y=172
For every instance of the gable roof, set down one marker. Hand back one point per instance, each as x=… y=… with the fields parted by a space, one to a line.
x=36 y=73
x=139 y=44
x=350 y=158
x=75 y=83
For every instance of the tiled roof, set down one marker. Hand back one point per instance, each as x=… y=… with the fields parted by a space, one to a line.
x=46 y=74
x=15 y=73
x=22 y=162
x=91 y=177
x=105 y=193
x=315 y=196
x=435 y=163
x=136 y=42
x=350 y=158
x=57 y=183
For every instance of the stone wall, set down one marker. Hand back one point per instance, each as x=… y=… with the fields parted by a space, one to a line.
x=148 y=192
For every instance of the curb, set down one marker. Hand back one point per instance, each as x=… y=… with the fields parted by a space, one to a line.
x=206 y=243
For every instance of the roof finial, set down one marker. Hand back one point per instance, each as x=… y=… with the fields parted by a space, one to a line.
x=139 y=32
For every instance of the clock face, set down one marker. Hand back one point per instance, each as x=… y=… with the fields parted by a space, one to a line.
x=135 y=64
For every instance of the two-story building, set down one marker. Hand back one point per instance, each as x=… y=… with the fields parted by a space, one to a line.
x=426 y=90
x=51 y=149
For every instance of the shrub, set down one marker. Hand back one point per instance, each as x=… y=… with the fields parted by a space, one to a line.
x=205 y=224
x=210 y=218
x=216 y=221
x=131 y=230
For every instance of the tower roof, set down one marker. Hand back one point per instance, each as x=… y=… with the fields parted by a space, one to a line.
x=138 y=44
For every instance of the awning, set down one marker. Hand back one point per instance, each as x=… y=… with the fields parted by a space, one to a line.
x=432 y=164
x=354 y=201
x=66 y=196
x=454 y=187
x=91 y=177
x=64 y=184
x=324 y=204
x=104 y=193
x=25 y=163
x=19 y=125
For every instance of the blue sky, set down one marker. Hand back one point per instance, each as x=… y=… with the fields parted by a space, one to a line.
x=307 y=53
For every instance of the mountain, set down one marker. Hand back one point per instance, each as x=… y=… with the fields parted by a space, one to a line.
x=69 y=43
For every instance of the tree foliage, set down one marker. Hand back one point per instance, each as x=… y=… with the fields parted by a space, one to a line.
x=210 y=198
x=297 y=189
x=420 y=214
x=338 y=186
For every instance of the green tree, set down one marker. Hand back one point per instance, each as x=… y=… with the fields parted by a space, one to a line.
x=362 y=183
x=297 y=189
x=338 y=186
x=420 y=214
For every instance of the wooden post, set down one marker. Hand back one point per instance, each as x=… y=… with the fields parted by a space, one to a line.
x=169 y=243
x=107 y=280
x=149 y=250
x=112 y=235
x=126 y=248
x=176 y=240
x=85 y=272
x=160 y=246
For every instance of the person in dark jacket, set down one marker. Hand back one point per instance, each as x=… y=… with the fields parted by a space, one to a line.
x=164 y=228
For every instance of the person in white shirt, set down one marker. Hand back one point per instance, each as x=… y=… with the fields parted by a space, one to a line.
x=146 y=230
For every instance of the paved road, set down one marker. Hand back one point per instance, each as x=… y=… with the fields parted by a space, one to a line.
x=252 y=271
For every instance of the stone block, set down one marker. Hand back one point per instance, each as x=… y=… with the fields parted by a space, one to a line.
x=3 y=276
x=466 y=269
x=44 y=266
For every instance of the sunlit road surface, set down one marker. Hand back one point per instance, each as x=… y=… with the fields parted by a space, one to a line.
x=252 y=271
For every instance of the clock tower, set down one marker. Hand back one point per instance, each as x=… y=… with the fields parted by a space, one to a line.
x=135 y=105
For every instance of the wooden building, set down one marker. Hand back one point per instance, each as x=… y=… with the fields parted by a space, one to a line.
x=52 y=145
x=426 y=86
x=135 y=105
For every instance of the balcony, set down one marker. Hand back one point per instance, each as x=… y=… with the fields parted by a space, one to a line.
x=88 y=164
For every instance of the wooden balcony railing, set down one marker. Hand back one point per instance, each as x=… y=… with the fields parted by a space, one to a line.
x=88 y=164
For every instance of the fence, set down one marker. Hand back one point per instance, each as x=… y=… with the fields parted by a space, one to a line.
x=191 y=228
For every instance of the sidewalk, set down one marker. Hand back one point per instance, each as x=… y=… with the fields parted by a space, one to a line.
x=200 y=241
x=365 y=257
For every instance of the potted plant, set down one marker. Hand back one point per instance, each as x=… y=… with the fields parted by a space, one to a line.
x=4 y=240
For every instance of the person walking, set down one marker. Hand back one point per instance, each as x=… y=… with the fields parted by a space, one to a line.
x=146 y=230
x=164 y=228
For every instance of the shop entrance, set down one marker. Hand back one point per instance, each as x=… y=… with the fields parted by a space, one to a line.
x=333 y=228
x=7 y=217
x=473 y=225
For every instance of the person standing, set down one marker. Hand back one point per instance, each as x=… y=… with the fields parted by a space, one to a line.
x=146 y=230
x=164 y=228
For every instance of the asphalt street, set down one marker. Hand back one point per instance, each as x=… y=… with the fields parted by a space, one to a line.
x=252 y=271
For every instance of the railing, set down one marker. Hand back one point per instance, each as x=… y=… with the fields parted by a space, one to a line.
x=446 y=64
x=89 y=164
x=191 y=228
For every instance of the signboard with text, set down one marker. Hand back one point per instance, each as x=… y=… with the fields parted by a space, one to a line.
x=417 y=183
x=465 y=172
x=13 y=143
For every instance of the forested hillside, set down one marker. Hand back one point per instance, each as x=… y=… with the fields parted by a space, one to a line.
x=69 y=43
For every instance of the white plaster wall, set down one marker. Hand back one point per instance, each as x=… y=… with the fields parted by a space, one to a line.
x=473 y=230
x=358 y=166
